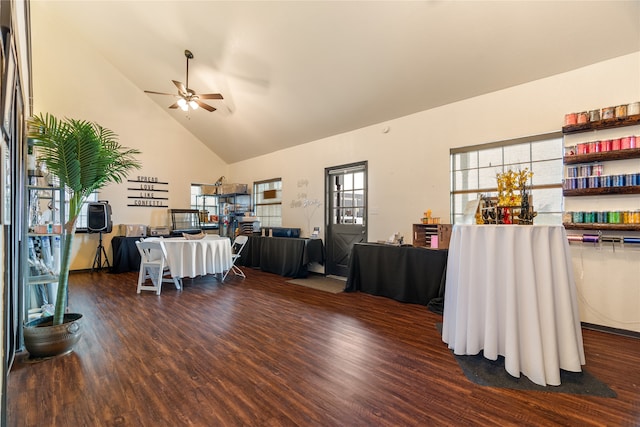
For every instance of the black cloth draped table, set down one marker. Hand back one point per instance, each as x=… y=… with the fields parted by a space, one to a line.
x=403 y=273
x=286 y=256
x=125 y=254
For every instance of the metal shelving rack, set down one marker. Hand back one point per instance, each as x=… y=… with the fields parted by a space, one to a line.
x=42 y=250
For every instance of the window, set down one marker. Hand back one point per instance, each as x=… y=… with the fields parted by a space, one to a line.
x=474 y=169
x=83 y=221
x=202 y=201
x=348 y=192
x=267 y=202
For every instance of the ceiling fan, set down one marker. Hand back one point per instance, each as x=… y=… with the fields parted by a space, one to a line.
x=187 y=97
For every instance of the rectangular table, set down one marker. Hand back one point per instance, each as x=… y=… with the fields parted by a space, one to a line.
x=404 y=273
x=286 y=256
x=510 y=291
x=125 y=254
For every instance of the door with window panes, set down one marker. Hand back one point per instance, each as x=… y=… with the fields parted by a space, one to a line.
x=346 y=215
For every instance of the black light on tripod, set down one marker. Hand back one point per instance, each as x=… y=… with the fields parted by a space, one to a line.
x=99 y=221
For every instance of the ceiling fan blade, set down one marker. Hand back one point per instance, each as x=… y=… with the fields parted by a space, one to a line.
x=210 y=96
x=180 y=86
x=205 y=106
x=159 y=93
x=174 y=105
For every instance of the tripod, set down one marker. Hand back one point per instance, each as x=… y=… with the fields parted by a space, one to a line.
x=97 y=261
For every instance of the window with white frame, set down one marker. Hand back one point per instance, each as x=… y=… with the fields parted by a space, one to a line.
x=267 y=202
x=203 y=202
x=83 y=217
x=474 y=169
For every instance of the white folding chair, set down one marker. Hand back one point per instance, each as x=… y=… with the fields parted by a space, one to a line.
x=154 y=266
x=236 y=249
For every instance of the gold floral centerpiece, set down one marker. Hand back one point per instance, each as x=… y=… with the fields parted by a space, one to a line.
x=513 y=204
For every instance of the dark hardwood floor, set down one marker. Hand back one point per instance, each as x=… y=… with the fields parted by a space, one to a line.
x=262 y=352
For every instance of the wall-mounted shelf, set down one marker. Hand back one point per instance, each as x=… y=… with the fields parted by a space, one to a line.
x=598 y=226
x=630 y=153
x=601 y=191
x=602 y=124
x=616 y=165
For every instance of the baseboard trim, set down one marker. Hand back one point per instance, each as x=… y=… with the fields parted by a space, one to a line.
x=610 y=330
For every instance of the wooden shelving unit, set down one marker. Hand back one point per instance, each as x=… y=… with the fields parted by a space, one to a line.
x=598 y=226
x=604 y=157
x=423 y=233
x=630 y=153
x=602 y=124
x=600 y=191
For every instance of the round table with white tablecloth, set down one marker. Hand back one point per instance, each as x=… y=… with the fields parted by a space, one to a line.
x=510 y=291
x=191 y=258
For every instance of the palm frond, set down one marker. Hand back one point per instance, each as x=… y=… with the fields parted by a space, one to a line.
x=85 y=157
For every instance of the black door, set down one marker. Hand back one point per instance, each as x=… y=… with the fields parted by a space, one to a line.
x=346 y=216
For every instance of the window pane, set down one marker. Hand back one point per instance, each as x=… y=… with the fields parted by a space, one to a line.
x=467 y=160
x=547 y=172
x=466 y=179
x=83 y=222
x=517 y=154
x=348 y=182
x=490 y=157
x=347 y=199
x=548 y=219
x=358 y=180
x=488 y=177
x=547 y=200
x=461 y=201
x=358 y=198
x=547 y=149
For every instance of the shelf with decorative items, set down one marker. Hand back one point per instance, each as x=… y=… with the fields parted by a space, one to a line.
x=430 y=233
x=602 y=171
x=232 y=208
x=45 y=214
x=431 y=236
x=514 y=203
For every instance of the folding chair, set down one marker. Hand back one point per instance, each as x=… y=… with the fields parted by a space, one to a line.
x=154 y=266
x=236 y=248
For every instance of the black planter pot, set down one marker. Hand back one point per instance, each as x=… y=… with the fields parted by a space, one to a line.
x=43 y=339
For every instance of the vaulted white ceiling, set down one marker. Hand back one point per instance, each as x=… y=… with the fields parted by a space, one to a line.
x=292 y=72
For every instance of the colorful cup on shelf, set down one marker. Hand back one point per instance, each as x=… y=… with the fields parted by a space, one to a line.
x=608 y=113
x=583 y=118
x=570 y=119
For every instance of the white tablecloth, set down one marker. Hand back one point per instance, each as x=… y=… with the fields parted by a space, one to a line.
x=191 y=258
x=510 y=291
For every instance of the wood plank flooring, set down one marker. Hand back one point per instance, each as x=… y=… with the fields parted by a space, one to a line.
x=263 y=352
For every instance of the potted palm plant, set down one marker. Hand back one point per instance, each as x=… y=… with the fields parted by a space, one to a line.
x=85 y=157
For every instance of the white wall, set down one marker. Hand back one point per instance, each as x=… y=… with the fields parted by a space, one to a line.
x=71 y=80
x=409 y=165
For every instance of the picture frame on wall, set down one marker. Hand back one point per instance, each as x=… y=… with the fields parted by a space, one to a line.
x=8 y=88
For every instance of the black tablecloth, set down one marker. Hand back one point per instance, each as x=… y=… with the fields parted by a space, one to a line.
x=407 y=274
x=125 y=254
x=286 y=256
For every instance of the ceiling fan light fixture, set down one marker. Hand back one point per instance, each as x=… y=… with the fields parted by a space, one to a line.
x=187 y=98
